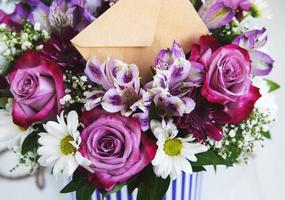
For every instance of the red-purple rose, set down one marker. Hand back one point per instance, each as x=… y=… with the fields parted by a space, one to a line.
x=37 y=86
x=227 y=81
x=115 y=146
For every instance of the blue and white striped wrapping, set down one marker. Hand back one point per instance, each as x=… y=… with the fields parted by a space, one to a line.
x=186 y=187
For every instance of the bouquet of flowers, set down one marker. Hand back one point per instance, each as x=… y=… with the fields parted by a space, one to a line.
x=99 y=123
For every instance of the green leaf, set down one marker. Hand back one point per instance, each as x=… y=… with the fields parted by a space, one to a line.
x=134 y=183
x=272 y=85
x=152 y=187
x=116 y=189
x=78 y=180
x=209 y=158
x=198 y=168
x=30 y=143
x=85 y=192
x=196 y=3
x=266 y=134
x=3 y=102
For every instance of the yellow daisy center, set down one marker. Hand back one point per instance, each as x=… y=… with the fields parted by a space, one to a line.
x=255 y=11
x=21 y=129
x=65 y=146
x=172 y=147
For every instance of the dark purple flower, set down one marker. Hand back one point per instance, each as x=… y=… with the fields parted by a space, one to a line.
x=60 y=50
x=70 y=13
x=202 y=122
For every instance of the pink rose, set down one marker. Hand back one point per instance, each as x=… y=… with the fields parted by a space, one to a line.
x=227 y=80
x=115 y=146
x=37 y=86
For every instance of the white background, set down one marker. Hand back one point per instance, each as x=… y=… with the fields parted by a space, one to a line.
x=262 y=179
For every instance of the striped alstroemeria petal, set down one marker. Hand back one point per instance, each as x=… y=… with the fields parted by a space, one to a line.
x=216 y=15
x=262 y=63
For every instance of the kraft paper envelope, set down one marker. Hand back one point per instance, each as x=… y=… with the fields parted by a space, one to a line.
x=134 y=31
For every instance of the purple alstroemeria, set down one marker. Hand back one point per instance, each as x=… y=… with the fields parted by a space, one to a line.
x=39 y=13
x=215 y=14
x=121 y=83
x=167 y=57
x=174 y=79
x=237 y=4
x=261 y=62
x=69 y=13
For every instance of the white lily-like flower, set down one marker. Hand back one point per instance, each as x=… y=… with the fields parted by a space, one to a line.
x=173 y=153
x=60 y=143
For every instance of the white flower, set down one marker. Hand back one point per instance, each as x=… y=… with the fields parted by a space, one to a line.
x=11 y=135
x=8 y=6
x=261 y=9
x=173 y=153
x=60 y=144
x=266 y=103
x=37 y=27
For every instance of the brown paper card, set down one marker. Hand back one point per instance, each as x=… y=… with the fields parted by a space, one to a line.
x=134 y=31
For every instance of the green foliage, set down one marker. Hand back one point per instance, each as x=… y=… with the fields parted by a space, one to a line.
x=30 y=143
x=3 y=102
x=79 y=183
x=266 y=134
x=151 y=187
x=209 y=158
x=272 y=85
x=196 y=3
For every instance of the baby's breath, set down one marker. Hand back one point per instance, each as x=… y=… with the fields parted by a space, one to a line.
x=239 y=141
x=13 y=44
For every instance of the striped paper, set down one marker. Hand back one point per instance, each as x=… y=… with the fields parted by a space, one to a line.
x=186 y=187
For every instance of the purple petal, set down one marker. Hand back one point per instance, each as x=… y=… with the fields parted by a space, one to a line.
x=144 y=120
x=217 y=15
x=252 y=39
x=262 y=63
x=179 y=71
x=112 y=101
x=100 y=73
x=177 y=51
x=197 y=73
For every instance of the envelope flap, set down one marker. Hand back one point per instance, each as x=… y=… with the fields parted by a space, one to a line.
x=127 y=23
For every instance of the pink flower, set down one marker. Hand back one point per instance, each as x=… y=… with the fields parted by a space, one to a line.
x=236 y=4
x=37 y=86
x=115 y=146
x=227 y=81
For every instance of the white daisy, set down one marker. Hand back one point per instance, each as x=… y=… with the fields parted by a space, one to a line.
x=260 y=8
x=60 y=143
x=173 y=153
x=11 y=135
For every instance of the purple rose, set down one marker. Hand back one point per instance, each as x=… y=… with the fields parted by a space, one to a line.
x=37 y=86
x=227 y=81
x=115 y=146
x=228 y=76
